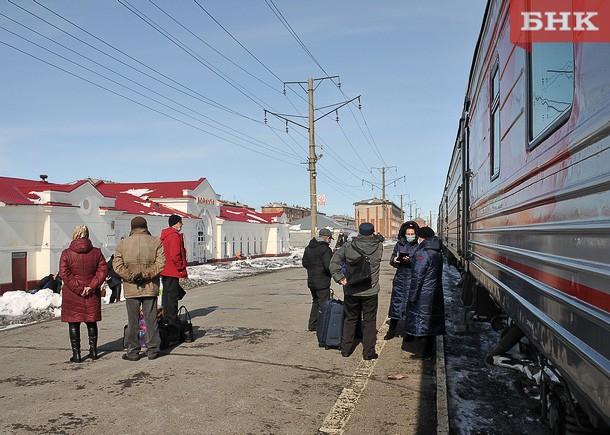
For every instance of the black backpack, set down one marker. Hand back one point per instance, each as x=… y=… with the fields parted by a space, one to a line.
x=358 y=273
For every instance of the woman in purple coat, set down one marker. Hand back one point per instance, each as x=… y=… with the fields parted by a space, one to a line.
x=83 y=270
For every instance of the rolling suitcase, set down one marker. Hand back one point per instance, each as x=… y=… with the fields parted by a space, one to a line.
x=330 y=323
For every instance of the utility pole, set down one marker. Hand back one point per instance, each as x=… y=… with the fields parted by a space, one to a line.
x=313 y=195
x=402 y=206
x=410 y=204
x=313 y=157
x=384 y=229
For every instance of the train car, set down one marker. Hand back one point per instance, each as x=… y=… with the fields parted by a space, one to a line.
x=525 y=215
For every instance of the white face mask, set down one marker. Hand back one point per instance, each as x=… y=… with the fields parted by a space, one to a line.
x=410 y=239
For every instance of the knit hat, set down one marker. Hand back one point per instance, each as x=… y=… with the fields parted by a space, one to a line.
x=425 y=232
x=174 y=219
x=366 y=229
x=138 y=222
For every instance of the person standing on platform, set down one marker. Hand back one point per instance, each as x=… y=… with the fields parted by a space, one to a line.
x=361 y=299
x=401 y=260
x=83 y=270
x=175 y=268
x=316 y=259
x=114 y=282
x=341 y=239
x=425 y=301
x=139 y=259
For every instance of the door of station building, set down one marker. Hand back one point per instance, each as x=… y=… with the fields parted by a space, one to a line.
x=19 y=270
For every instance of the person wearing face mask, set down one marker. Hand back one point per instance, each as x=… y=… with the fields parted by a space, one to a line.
x=401 y=260
x=425 y=301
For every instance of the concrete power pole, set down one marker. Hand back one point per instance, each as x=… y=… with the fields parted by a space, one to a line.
x=383 y=210
x=313 y=195
x=313 y=157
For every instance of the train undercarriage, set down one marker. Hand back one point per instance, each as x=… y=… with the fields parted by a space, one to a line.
x=537 y=380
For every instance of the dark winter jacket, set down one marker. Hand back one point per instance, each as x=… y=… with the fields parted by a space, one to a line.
x=80 y=266
x=402 y=278
x=425 y=305
x=50 y=283
x=140 y=253
x=316 y=259
x=114 y=279
x=175 y=253
x=371 y=247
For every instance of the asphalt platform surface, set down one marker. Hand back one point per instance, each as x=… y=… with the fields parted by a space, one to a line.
x=253 y=368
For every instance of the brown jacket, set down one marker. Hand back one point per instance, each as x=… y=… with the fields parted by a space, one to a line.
x=139 y=253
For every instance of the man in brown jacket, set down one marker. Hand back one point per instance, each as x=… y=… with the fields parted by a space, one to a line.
x=139 y=259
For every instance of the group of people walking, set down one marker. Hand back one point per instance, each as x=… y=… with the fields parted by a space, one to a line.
x=417 y=292
x=141 y=261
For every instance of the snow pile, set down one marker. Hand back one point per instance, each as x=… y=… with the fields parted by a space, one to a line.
x=17 y=307
x=211 y=273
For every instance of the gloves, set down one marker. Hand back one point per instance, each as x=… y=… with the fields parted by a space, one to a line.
x=138 y=279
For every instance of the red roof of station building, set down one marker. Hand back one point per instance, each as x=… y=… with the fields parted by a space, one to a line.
x=129 y=197
x=135 y=205
x=242 y=214
x=18 y=191
x=163 y=189
x=133 y=198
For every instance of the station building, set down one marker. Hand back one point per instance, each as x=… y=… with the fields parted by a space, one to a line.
x=37 y=219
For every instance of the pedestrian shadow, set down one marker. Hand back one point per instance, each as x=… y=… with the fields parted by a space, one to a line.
x=110 y=347
x=202 y=312
x=118 y=344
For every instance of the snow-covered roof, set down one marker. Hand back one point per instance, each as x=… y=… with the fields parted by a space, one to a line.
x=242 y=214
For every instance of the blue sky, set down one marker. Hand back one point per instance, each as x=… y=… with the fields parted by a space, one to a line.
x=163 y=111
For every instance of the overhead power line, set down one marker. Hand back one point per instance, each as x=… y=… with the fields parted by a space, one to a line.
x=142 y=104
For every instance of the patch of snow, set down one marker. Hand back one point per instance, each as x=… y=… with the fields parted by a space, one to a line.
x=139 y=192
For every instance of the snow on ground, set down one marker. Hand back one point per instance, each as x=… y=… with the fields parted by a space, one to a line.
x=19 y=307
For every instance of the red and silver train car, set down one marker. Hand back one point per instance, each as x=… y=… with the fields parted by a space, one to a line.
x=525 y=214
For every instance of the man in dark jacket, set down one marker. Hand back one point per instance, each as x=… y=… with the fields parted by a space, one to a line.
x=361 y=299
x=425 y=304
x=175 y=268
x=52 y=281
x=316 y=259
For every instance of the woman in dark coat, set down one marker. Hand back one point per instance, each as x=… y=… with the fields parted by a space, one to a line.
x=401 y=260
x=425 y=302
x=83 y=270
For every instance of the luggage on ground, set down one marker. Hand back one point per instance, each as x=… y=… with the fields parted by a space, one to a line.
x=330 y=323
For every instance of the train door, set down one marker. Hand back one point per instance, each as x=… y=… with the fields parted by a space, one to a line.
x=19 y=270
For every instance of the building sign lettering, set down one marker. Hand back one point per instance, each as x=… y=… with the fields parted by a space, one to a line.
x=207 y=201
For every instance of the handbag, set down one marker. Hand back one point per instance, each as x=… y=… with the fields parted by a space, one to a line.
x=186 y=327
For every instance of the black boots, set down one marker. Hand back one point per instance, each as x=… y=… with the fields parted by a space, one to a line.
x=92 y=331
x=74 y=329
x=391 y=330
x=425 y=347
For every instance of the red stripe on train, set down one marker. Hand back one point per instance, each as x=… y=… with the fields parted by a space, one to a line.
x=585 y=293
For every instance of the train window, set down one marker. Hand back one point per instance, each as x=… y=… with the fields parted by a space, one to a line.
x=495 y=124
x=551 y=86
